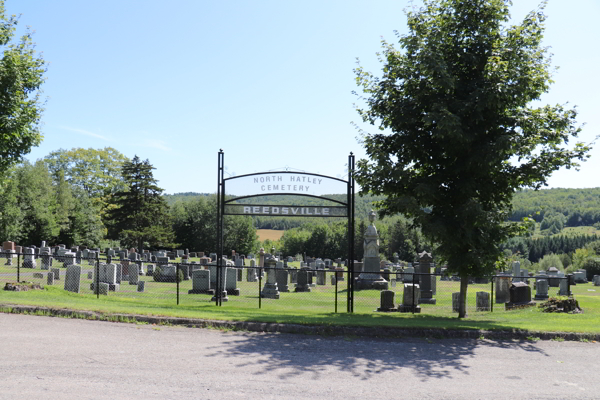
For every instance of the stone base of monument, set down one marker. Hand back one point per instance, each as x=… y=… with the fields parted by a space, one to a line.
x=223 y=296
x=365 y=283
x=202 y=291
x=302 y=288
x=112 y=287
x=270 y=291
x=515 y=306
x=427 y=301
x=408 y=309
x=540 y=297
x=233 y=292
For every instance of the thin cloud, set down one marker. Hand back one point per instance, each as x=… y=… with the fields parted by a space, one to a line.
x=157 y=144
x=86 y=133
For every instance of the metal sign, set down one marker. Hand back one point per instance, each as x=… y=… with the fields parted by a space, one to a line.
x=233 y=192
x=286 y=211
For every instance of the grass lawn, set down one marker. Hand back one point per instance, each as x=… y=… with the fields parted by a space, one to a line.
x=316 y=307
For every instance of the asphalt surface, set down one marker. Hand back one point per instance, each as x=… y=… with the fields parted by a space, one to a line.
x=59 y=358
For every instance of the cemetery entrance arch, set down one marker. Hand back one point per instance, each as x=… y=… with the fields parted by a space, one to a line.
x=302 y=185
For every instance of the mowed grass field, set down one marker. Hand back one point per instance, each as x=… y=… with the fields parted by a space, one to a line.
x=316 y=307
x=271 y=234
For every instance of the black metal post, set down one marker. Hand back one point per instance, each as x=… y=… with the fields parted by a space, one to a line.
x=97 y=277
x=18 y=267
x=177 y=280
x=492 y=295
x=259 y=286
x=350 y=203
x=413 y=293
x=336 y=290
x=220 y=201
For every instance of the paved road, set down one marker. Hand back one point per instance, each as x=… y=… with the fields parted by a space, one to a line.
x=56 y=358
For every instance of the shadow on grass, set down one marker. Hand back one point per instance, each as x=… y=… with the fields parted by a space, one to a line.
x=285 y=355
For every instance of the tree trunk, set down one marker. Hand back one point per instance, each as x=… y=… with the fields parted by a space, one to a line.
x=462 y=305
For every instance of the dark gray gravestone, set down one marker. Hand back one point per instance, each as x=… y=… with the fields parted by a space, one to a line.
x=520 y=296
x=73 y=278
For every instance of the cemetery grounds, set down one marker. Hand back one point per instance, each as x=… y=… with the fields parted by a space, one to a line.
x=318 y=307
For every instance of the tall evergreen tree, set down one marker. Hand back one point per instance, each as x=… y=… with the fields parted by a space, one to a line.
x=141 y=216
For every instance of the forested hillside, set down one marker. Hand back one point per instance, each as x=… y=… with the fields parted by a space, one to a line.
x=558 y=208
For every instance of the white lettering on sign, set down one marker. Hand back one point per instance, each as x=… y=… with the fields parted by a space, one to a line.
x=295 y=183
x=286 y=210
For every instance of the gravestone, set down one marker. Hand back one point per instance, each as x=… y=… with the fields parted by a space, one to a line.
x=294 y=275
x=425 y=262
x=251 y=273
x=282 y=280
x=150 y=270
x=596 y=280
x=56 y=272
x=73 y=278
x=134 y=275
x=141 y=287
x=201 y=282
x=516 y=271
x=386 y=301
x=520 y=296
x=541 y=289
x=456 y=302
x=482 y=301
x=270 y=290
x=320 y=277
x=370 y=277
x=410 y=298
x=580 y=276
x=502 y=289
x=50 y=278
x=303 y=284
x=563 y=287
x=38 y=275
x=45 y=261
x=119 y=269
x=407 y=275
x=168 y=273
x=231 y=281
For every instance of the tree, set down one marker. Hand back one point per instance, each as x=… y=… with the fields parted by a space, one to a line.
x=460 y=135
x=11 y=217
x=96 y=171
x=37 y=201
x=140 y=216
x=21 y=75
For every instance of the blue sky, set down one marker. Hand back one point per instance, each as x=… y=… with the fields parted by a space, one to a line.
x=269 y=82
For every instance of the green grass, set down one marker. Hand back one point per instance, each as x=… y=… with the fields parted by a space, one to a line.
x=316 y=307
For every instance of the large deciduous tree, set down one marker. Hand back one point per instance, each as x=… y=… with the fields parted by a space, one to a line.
x=140 y=216
x=21 y=75
x=459 y=133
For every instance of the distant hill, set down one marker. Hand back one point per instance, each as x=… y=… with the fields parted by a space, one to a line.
x=575 y=207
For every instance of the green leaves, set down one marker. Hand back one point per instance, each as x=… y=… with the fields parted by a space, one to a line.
x=140 y=215
x=460 y=132
x=21 y=75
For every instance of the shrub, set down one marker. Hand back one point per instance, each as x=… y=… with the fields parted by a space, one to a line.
x=551 y=260
x=157 y=275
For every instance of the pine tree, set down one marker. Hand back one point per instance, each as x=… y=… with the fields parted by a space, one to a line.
x=141 y=215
